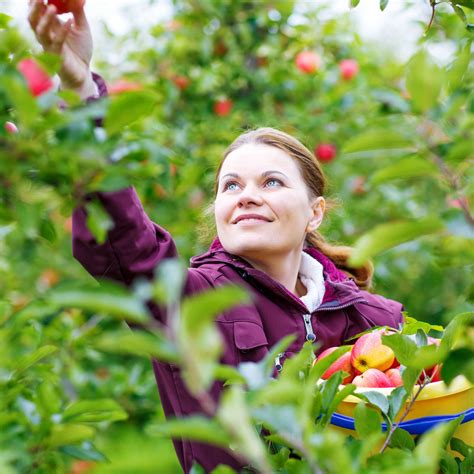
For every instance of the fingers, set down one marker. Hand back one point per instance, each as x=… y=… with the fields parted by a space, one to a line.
x=80 y=18
x=50 y=31
x=36 y=10
x=44 y=27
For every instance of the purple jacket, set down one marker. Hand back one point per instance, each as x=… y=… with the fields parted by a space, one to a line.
x=136 y=245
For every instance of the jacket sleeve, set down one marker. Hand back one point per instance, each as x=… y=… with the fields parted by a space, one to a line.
x=134 y=246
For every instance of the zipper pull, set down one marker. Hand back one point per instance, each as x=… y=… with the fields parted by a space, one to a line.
x=310 y=336
x=278 y=364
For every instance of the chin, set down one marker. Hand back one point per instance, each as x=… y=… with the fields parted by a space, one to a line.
x=246 y=246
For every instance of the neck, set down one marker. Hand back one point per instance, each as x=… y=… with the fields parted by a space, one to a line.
x=282 y=268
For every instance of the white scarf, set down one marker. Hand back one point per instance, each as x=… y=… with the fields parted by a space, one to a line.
x=311 y=275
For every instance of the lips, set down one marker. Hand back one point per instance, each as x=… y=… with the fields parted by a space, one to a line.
x=250 y=216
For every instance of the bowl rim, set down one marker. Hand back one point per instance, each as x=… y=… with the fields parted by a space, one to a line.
x=432 y=391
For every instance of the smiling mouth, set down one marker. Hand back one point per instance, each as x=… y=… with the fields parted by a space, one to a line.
x=252 y=220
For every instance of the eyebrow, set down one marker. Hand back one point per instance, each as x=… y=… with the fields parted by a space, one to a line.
x=263 y=175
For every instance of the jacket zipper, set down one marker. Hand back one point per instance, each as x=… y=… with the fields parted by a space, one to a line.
x=345 y=305
x=310 y=336
x=278 y=364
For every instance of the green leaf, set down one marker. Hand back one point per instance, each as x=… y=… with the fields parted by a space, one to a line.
x=245 y=439
x=403 y=347
x=26 y=361
x=454 y=329
x=194 y=427
x=367 y=421
x=461 y=447
x=458 y=67
x=139 y=343
x=396 y=400
x=329 y=389
x=66 y=434
x=410 y=167
x=410 y=376
x=98 y=221
x=91 y=411
x=127 y=108
x=223 y=469
x=447 y=464
x=47 y=230
x=386 y=236
x=376 y=399
x=321 y=365
x=401 y=439
x=86 y=451
x=411 y=326
x=340 y=396
x=383 y=4
x=25 y=105
x=459 y=362
x=197 y=310
x=112 y=300
x=424 y=80
x=464 y=3
x=428 y=451
x=6 y=19
x=282 y=418
x=354 y=3
x=378 y=139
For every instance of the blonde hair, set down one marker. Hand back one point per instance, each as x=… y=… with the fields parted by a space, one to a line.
x=316 y=182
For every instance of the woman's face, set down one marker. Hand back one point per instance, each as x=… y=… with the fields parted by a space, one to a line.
x=264 y=182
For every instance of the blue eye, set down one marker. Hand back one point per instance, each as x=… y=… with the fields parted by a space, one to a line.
x=274 y=180
x=227 y=186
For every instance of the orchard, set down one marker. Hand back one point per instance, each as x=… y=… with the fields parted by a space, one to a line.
x=395 y=139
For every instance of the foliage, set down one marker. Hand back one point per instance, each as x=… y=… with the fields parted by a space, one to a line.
x=404 y=135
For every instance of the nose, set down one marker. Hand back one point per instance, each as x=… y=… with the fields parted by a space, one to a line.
x=250 y=195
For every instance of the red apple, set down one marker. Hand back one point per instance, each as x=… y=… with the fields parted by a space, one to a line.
x=66 y=6
x=348 y=69
x=458 y=203
x=369 y=353
x=181 y=82
x=325 y=152
x=372 y=378
x=395 y=377
x=10 y=127
x=223 y=107
x=307 y=62
x=123 y=85
x=343 y=363
x=435 y=373
x=36 y=77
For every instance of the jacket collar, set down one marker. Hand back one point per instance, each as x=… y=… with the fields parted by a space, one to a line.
x=339 y=288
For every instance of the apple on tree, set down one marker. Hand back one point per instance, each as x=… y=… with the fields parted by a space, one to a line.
x=181 y=82
x=10 y=127
x=123 y=85
x=67 y=6
x=223 y=107
x=325 y=152
x=36 y=77
x=307 y=62
x=348 y=69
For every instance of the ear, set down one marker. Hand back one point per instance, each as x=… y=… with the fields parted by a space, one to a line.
x=318 y=208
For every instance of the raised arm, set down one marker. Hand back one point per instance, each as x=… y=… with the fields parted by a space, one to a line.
x=135 y=245
x=71 y=39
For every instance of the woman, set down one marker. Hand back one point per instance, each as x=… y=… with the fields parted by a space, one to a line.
x=269 y=203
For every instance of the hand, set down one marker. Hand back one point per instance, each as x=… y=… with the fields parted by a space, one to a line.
x=71 y=39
